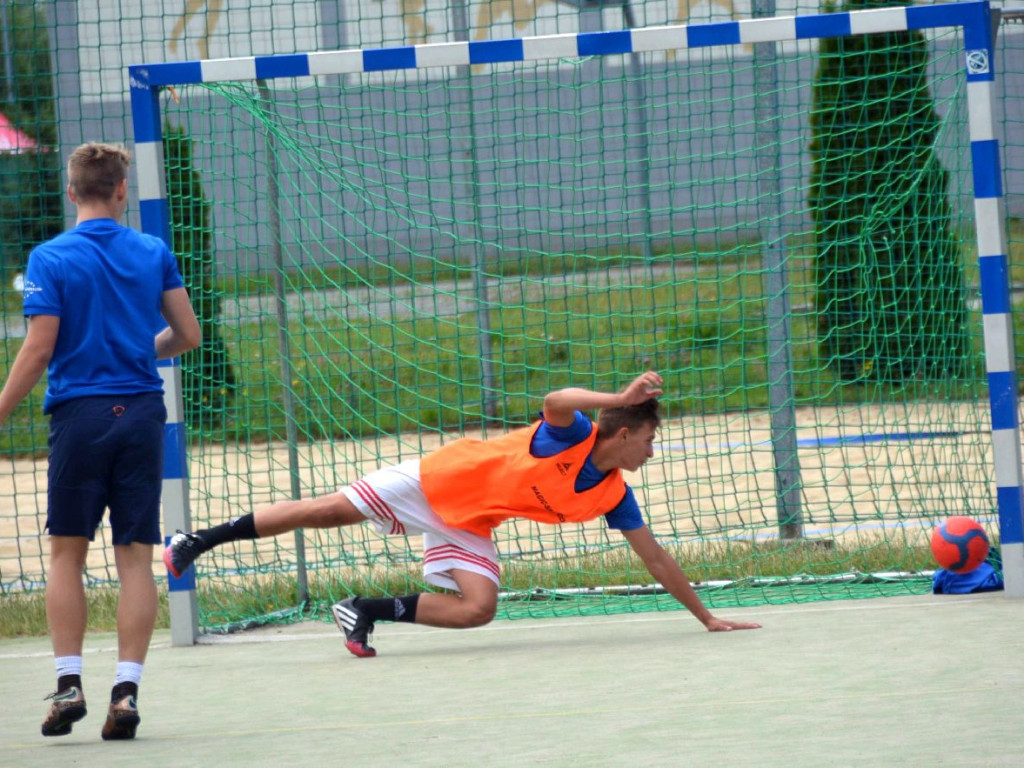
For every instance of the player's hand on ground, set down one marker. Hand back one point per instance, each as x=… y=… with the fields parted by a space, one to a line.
x=642 y=388
x=724 y=625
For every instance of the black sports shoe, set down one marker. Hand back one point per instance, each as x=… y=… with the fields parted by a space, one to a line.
x=357 y=627
x=122 y=720
x=68 y=707
x=182 y=550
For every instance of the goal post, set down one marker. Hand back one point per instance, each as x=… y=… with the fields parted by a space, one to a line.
x=971 y=20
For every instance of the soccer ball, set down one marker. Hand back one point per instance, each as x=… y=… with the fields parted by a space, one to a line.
x=959 y=545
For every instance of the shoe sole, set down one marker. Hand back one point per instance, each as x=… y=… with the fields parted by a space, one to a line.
x=359 y=649
x=169 y=564
x=68 y=717
x=123 y=728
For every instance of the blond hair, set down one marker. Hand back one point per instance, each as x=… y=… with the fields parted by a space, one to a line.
x=95 y=170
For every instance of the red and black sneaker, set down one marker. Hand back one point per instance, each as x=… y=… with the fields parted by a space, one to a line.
x=181 y=552
x=357 y=627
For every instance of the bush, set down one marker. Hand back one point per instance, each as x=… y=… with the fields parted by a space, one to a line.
x=208 y=378
x=889 y=274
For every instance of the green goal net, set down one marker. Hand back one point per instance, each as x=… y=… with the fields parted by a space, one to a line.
x=395 y=259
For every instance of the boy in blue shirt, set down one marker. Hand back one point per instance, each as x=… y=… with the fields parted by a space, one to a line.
x=103 y=303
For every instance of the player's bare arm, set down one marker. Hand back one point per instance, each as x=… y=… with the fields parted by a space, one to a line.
x=182 y=332
x=663 y=567
x=561 y=405
x=31 y=362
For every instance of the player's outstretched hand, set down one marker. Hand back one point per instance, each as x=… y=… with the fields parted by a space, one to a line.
x=642 y=388
x=724 y=625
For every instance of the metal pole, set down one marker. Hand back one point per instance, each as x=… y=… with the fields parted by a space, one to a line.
x=488 y=380
x=283 y=339
x=6 y=12
x=636 y=83
x=155 y=218
x=62 y=20
x=997 y=307
x=782 y=401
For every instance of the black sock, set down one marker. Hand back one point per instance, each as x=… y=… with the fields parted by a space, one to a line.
x=120 y=690
x=237 y=529
x=389 y=608
x=66 y=681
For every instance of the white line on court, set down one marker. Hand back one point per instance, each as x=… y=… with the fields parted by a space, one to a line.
x=85 y=652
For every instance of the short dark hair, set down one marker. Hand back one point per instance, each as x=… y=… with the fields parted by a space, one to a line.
x=611 y=420
x=95 y=170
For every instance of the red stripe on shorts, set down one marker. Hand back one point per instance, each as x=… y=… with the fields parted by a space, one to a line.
x=451 y=552
x=374 y=502
x=398 y=527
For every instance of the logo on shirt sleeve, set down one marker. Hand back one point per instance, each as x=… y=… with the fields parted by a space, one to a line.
x=30 y=290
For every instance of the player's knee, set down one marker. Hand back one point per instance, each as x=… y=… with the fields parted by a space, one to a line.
x=476 y=614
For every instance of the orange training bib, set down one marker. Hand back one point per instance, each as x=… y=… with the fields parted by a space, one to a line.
x=475 y=485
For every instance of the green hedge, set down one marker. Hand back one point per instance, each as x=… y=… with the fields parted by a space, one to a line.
x=890 y=295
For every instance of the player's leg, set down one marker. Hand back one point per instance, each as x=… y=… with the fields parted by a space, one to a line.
x=134 y=488
x=472 y=606
x=137 y=603
x=136 y=616
x=331 y=511
x=456 y=560
x=65 y=594
x=75 y=506
x=66 y=616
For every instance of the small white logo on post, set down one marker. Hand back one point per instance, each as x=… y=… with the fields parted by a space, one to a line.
x=977 y=62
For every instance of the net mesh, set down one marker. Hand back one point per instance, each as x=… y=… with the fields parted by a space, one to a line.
x=454 y=244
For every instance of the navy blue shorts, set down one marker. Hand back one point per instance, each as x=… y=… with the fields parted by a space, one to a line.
x=107 y=452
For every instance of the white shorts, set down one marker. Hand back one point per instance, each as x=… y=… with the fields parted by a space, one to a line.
x=392 y=498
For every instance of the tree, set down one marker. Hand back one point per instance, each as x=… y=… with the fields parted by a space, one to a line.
x=208 y=378
x=889 y=275
x=31 y=191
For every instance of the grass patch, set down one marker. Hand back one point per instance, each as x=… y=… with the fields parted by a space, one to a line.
x=24 y=614
x=235 y=601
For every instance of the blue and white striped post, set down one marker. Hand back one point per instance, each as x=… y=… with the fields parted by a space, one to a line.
x=973 y=17
x=155 y=216
x=990 y=218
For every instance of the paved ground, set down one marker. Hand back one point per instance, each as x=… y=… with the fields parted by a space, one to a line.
x=908 y=681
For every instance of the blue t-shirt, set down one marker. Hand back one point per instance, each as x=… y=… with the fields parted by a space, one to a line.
x=550 y=440
x=105 y=282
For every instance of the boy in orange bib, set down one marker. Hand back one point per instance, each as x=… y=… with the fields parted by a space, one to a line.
x=563 y=469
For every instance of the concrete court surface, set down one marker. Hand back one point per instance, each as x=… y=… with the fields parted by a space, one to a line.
x=904 y=681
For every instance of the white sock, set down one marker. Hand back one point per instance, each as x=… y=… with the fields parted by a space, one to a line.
x=128 y=672
x=68 y=665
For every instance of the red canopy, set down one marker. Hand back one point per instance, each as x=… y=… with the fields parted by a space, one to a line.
x=13 y=140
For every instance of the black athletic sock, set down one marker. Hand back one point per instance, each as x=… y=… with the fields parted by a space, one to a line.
x=66 y=681
x=236 y=529
x=120 y=690
x=389 y=608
